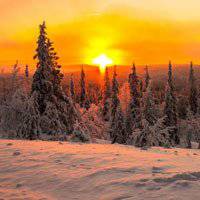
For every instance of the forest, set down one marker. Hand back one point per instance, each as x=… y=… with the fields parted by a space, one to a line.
x=143 y=111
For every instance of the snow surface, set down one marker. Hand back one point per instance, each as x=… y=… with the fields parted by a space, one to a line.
x=58 y=170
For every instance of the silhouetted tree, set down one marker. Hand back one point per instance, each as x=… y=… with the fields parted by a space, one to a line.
x=193 y=100
x=15 y=78
x=27 y=80
x=84 y=103
x=141 y=88
x=147 y=77
x=72 y=92
x=106 y=96
x=27 y=71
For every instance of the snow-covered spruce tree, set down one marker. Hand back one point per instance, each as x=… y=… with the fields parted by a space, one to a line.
x=71 y=87
x=193 y=100
x=147 y=77
x=42 y=79
x=133 y=119
x=47 y=86
x=67 y=112
x=170 y=109
x=153 y=132
x=56 y=73
x=84 y=103
x=149 y=106
x=106 y=96
x=117 y=129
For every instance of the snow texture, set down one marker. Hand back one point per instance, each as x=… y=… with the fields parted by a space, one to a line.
x=57 y=170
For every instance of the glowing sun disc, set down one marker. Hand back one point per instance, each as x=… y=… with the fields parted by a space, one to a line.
x=102 y=61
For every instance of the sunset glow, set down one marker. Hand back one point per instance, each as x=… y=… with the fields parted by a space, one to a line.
x=145 y=31
x=102 y=61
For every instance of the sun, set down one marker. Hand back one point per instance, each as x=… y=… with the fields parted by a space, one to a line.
x=102 y=61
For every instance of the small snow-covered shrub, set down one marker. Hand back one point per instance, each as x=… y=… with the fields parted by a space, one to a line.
x=80 y=133
x=92 y=120
x=156 y=135
x=12 y=113
x=79 y=136
x=29 y=127
x=190 y=131
x=50 y=122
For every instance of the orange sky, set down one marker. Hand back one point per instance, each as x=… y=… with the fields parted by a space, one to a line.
x=144 y=31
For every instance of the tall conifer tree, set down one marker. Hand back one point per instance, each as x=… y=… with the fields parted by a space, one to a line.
x=117 y=130
x=27 y=71
x=133 y=120
x=147 y=77
x=106 y=96
x=149 y=106
x=170 y=107
x=193 y=91
x=83 y=98
x=48 y=93
x=72 y=92
x=27 y=79
x=43 y=76
x=15 y=78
